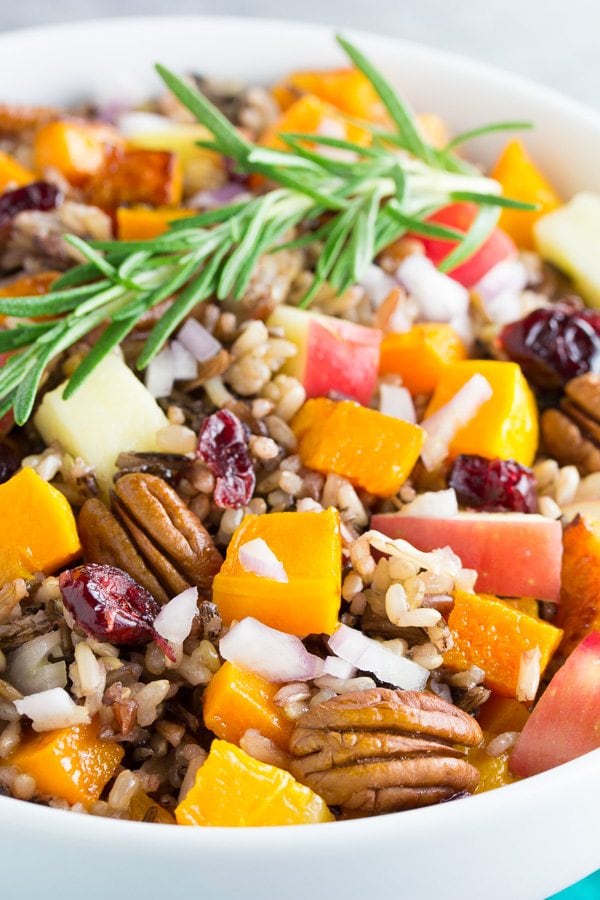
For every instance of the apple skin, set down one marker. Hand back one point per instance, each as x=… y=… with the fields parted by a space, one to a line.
x=565 y=722
x=514 y=554
x=335 y=357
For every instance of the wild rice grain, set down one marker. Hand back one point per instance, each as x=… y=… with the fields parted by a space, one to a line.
x=126 y=786
x=9 y=739
x=529 y=675
x=263 y=749
x=502 y=743
x=23 y=787
x=263 y=448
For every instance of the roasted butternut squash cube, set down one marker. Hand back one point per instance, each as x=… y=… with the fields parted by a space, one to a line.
x=141 y=223
x=308 y=545
x=491 y=635
x=232 y=789
x=13 y=174
x=78 y=150
x=137 y=176
x=420 y=355
x=347 y=89
x=236 y=700
x=374 y=451
x=37 y=528
x=506 y=425
x=71 y=763
x=312 y=115
x=579 y=610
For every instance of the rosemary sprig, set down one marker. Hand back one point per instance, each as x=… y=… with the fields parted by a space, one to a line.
x=354 y=199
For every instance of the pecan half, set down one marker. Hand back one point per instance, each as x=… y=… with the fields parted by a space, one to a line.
x=382 y=750
x=152 y=535
x=572 y=433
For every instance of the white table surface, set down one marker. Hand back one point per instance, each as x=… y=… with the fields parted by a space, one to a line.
x=553 y=41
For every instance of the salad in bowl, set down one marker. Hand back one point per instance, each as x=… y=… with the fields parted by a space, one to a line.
x=300 y=456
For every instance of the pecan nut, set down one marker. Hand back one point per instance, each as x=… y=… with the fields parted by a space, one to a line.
x=382 y=750
x=572 y=433
x=152 y=535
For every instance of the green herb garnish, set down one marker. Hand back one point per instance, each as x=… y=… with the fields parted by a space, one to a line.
x=356 y=201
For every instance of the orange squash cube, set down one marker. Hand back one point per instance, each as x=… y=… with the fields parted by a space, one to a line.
x=499 y=714
x=506 y=425
x=373 y=451
x=420 y=355
x=347 y=89
x=37 y=528
x=77 y=150
x=137 y=176
x=489 y=634
x=308 y=544
x=236 y=700
x=311 y=115
x=30 y=285
x=232 y=789
x=522 y=180
x=13 y=174
x=493 y=770
x=579 y=610
x=144 y=809
x=71 y=763
x=141 y=223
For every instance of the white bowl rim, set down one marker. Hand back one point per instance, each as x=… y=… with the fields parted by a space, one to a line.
x=467 y=811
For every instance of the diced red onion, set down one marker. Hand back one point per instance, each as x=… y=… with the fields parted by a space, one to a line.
x=339 y=668
x=52 y=709
x=500 y=290
x=221 y=196
x=377 y=284
x=432 y=505
x=397 y=402
x=256 y=556
x=439 y=297
x=200 y=342
x=371 y=656
x=174 y=621
x=29 y=668
x=272 y=654
x=160 y=374
x=442 y=426
x=185 y=366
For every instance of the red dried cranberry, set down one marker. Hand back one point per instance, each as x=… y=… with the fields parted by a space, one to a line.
x=223 y=446
x=40 y=196
x=553 y=345
x=493 y=485
x=109 y=605
x=9 y=462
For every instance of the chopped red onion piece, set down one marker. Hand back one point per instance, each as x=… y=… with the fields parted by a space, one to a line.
x=432 y=505
x=377 y=284
x=30 y=669
x=174 y=621
x=439 y=297
x=272 y=654
x=52 y=709
x=256 y=556
x=370 y=656
x=397 y=402
x=200 y=342
x=228 y=193
x=160 y=374
x=185 y=366
x=454 y=415
x=500 y=290
x=339 y=668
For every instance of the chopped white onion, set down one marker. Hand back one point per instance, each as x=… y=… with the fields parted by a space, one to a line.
x=174 y=621
x=377 y=284
x=397 y=402
x=52 y=709
x=160 y=374
x=432 y=505
x=256 y=556
x=136 y=122
x=200 y=342
x=272 y=654
x=29 y=668
x=339 y=668
x=371 y=656
x=334 y=128
x=439 y=297
x=442 y=426
x=500 y=290
x=185 y=366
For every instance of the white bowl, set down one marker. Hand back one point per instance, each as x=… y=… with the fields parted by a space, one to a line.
x=523 y=842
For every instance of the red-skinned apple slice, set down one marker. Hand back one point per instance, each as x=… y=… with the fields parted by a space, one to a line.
x=334 y=356
x=565 y=723
x=514 y=554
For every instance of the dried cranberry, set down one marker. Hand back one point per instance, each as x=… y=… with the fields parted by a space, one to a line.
x=553 y=345
x=109 y=605
x=40 y=196
x=223 y=446
x=493 y=485
x=9 y=462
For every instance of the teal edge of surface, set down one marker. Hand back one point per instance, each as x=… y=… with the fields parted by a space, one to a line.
x=588 y=889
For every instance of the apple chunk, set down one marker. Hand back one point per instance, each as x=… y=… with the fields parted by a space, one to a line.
x=514 y=554
x=334 y=356
x=565 y=723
